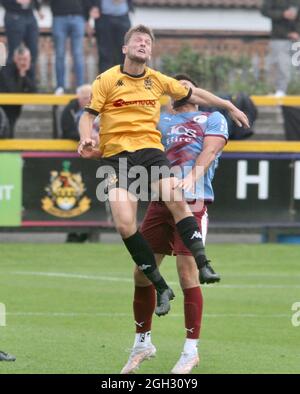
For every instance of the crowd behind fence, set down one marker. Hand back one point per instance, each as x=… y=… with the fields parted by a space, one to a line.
x=230 y=63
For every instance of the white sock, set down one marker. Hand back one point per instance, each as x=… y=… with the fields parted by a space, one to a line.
x=191 y=346
x=142 y=339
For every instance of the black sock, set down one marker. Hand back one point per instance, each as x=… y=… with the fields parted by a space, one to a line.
x=191 y=236
x=143 y=256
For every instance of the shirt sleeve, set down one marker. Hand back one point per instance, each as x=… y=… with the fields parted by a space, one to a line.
x=217 y=126
x=173 y=88
x=99 y=94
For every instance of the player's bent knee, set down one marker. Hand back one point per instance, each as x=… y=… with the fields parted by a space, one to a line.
x=189 y=284
x=188 y=281
x=126 y=230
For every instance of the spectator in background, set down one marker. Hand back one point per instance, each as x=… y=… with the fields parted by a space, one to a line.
x=21 y=27
x=69 y=21
x=111 y=23
x=244 y=103
x=72 y=113
x=4 y=124
x=285 y=16
x=70 y=130
x=15 y=78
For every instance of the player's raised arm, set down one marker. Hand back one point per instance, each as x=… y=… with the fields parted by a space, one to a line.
x=203 y=97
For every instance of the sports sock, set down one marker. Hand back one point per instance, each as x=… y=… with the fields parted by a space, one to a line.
x=193 y=309
x=190 y=234
x=143 y=256
x=191 y=346
x=142 y=339
x=143 y=308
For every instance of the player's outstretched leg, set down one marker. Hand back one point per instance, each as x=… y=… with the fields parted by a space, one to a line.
x=143 y=308
x=188 y=229
x=193 y=309
x=144 y=258
x=124 y=207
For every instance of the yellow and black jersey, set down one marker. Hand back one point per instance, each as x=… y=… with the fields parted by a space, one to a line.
x=130 y=108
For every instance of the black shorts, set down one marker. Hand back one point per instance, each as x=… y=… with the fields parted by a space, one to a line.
x=135 y=170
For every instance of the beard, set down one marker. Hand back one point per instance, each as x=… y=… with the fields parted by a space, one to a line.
x=136 y=59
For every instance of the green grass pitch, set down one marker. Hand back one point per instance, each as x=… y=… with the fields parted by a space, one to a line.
x=69 y=310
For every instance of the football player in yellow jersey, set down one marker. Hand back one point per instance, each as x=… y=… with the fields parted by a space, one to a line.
x=127 y=97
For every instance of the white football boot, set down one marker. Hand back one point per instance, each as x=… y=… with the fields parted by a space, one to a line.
x=186 y=363
x=137 y=356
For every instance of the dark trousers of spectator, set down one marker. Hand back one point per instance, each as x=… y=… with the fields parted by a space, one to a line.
x=13 y=113
x=72 y=26
x=110 y=32
x=22 y=29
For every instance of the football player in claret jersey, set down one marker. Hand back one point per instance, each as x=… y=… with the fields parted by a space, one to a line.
x=192 y=140
x=128 y=99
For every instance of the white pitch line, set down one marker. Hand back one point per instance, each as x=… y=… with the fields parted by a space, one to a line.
x=256 y=286
x=128 y=280
x=174 y=315
x=260 y=275
x=72 y=276
x=78 y=276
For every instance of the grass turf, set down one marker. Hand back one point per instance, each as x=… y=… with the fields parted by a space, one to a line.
x=69 y=310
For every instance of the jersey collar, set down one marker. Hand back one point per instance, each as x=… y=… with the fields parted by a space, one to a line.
x=133 y=76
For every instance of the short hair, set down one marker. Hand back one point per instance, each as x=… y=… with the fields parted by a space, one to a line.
x=185 y=77
x=83 y=89
x=21 y=50
x=138 y=29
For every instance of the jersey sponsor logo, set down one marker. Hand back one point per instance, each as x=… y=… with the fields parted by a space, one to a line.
x=143 y=103
x=65 y=194
x=183 y=130
x=148 y=83
x=200 y=119
x=197 y=235
x=120 y=83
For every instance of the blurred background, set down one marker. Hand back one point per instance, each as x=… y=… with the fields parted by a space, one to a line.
x=245 y=51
